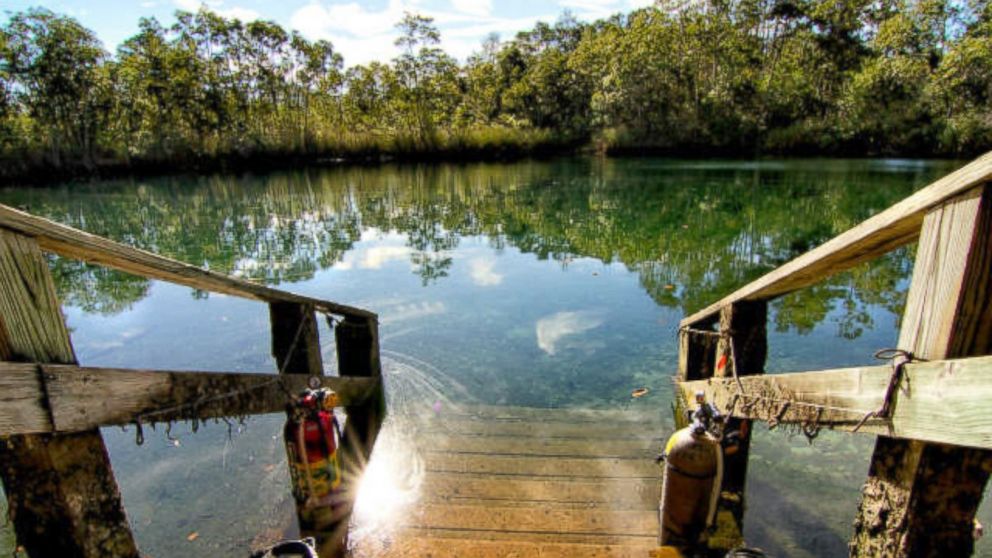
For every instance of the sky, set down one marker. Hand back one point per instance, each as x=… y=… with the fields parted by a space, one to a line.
x=361 y=31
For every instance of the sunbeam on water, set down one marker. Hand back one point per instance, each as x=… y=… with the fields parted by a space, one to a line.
x=392 y=481
x=390 y=485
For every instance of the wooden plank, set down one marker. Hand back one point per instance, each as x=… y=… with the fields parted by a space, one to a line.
x=74 y=243
x=549 y=521
x=920 y=499
x=629 y=493
x=295 y=340
x=848 y=394
x=357 y=342
x=697 y=353
x=534 y=466
x=894 y=227
x=634 y=412
x=438 y=426
x=23 y=405
x=61 y=493
x=941 y=401
x=414 y=542
x=742 y=350
x=549 y=447
x=82 y=398
x=512 y=538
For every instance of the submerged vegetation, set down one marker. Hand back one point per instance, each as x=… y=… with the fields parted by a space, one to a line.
x=711 y=77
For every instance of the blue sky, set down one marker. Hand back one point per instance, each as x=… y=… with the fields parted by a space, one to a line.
x=360 y=30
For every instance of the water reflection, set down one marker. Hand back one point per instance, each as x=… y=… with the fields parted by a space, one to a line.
x=553 y=330
x=701 y=227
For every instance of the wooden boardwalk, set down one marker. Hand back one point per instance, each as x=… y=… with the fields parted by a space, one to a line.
x=512 y=481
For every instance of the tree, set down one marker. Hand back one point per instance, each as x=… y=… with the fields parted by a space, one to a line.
x=54 y=65
x=428 y=78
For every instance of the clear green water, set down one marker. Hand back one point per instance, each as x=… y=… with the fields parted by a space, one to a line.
x=550 y=284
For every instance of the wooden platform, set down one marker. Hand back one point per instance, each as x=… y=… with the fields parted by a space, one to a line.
x=505 y=481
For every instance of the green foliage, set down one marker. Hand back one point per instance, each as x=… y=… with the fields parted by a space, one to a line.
x=738 y=77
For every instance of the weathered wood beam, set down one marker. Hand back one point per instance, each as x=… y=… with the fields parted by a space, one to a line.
x=937 y=401
x=48 y=398
x=60 y=488
x=697 y=351
x=358 y=355
x=890 y=229
x=742 y=350
x=920 y=499
x=74 y=243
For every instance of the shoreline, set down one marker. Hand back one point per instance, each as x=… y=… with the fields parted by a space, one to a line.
x=35 y=173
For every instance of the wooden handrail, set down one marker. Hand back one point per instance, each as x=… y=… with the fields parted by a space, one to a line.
x=41 y=398
x=944 y=401
x=74 y=243
x=890 y=229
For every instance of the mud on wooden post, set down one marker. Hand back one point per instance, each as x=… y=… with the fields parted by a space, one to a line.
x=920 y=499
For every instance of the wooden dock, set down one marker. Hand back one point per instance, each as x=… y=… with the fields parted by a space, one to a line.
x=512 y=481
x=497 y=481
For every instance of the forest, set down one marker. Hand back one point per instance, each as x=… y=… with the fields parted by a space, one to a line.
x=703 y=78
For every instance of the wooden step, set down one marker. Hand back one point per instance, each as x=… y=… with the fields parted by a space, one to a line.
x=522 y=465
x=624 y=494
x=522 y=428
x=551 y=522
x=645 y=448
x=418 y=545
x=635 y=413
x=501 y=481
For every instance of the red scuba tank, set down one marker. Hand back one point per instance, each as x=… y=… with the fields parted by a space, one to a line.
x=693 y=467
x=312 y=437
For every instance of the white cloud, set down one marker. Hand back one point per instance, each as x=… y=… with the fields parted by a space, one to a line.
x=362 y=34
x=413 y=311
x=482 y=272
x=377 y=256
x=237 y=12
x=473 y=7
x=217 y=6
x=598 y=9
x=551 y=330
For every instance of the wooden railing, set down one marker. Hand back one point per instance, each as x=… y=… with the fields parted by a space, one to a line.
x=932 y=417
x=56 y=473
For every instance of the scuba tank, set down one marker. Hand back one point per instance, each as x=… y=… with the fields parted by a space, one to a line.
x=312 y=436
x=692 y=475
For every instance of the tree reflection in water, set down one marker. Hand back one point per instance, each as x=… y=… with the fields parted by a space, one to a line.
x=692 y=231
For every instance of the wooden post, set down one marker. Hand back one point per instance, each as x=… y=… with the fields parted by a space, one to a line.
x=358 y=355
x=742 y=327
x=296 y=348
x=696 y=352
x=295 y=341
x=920 y=499
x=60 y=488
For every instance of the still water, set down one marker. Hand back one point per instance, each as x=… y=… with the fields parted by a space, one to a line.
x=545 y=284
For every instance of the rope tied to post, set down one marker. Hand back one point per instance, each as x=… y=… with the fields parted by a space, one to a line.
x=808 y=415
x=200 y=402
x=899 y=358
x=728 y=336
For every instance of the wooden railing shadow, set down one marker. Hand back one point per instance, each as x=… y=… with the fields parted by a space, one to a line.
x=929 y=409
x=61 y=491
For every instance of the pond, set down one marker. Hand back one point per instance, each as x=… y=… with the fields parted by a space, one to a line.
x=540 y=283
